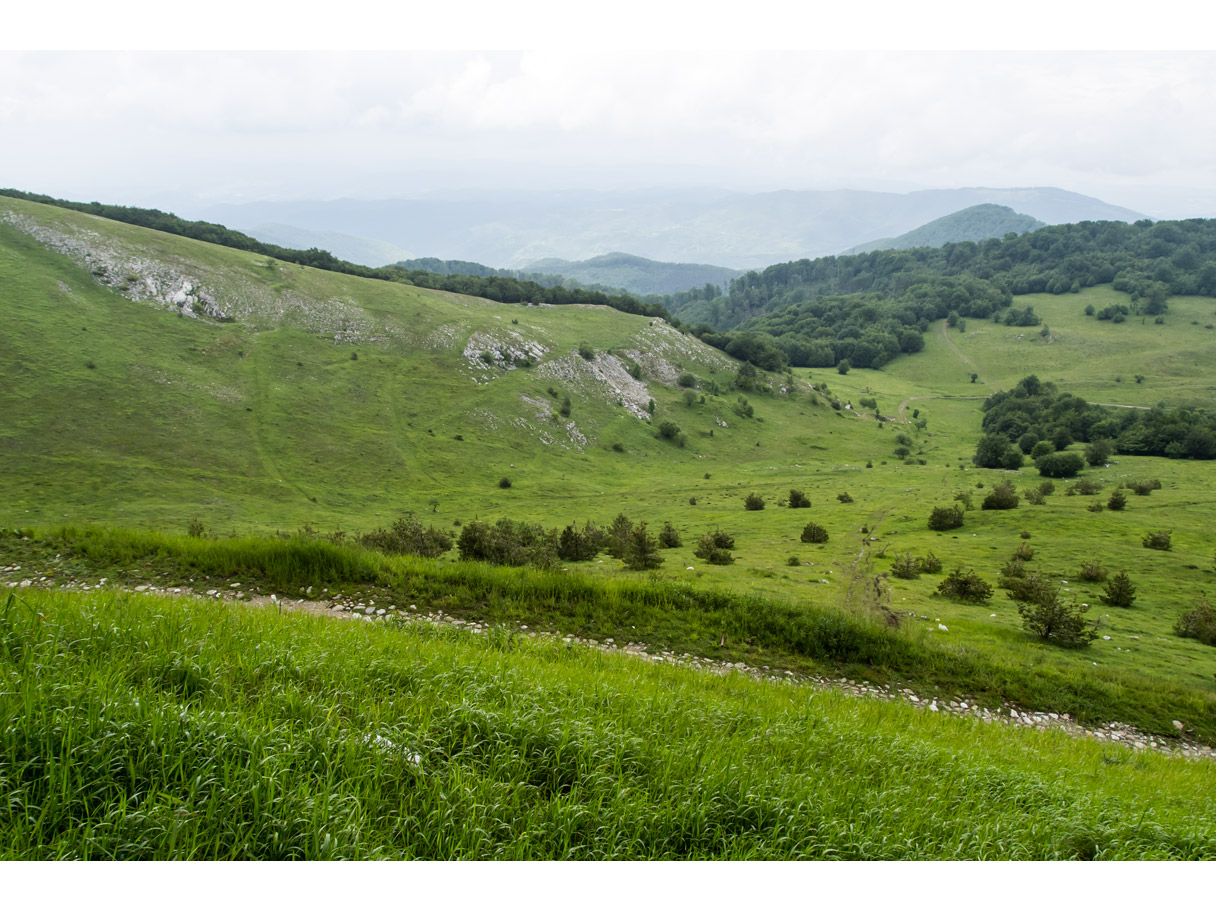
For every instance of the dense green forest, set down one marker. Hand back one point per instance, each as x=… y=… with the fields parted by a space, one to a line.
x=1036 y=419
x=866 y=308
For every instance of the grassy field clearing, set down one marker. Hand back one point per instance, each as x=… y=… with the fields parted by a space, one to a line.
x=147 y=727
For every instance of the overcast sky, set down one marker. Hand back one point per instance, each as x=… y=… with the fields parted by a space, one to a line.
x=182 y=128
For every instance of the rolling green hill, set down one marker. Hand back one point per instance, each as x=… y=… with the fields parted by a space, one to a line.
x=158 y=382
x=636 y=274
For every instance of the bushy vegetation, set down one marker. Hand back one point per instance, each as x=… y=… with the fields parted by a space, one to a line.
x=753 y=501
x=1059 y=465
x=942 y=519
x=642 y=552
x=1003 y=496
x=798 y=500
x=814 y=534
x=965 y=586
x=1045 y=614
x=513 y=544
x=576 y=545
x=1120 y=591
x=715 y=547
x=1159 y=540
x=1199 y=623
x=406 y=536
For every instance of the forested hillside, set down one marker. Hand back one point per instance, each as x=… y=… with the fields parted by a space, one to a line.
x=975 y=223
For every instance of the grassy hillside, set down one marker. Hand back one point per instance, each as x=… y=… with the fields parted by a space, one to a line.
x=185 y=729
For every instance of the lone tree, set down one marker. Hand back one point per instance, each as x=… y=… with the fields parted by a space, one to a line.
x=798 y=499
x=618 y=536
x=814 y=534
x=753 y=501
x=669 y=537
x=942 y=519
x=642 y=551
x=1119 y=591
x=966 y=587
x=1002 y=497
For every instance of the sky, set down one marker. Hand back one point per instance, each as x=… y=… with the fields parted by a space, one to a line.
x=182 y=127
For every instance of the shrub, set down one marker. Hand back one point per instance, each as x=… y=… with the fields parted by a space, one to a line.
x=1047 y=616
x=1003 y=497
x=843 y=366
x=1198 y=624
x=669 y=537
x=753 y=501
x=1092 y=571
x=688 y=381
x=930 y=563
x=943 y=519
x=964 y=498
x=642 y=551
x=690 y=398
x=844 y=497
x=1157 y=541
x=196 y=529
x=868 y=402
x=965 y=587
x=793 y=561
x=1095 y=507
x=798 y=500
x=1033 y=496
x=586 y=351
x=408 y=537
x=1119 y=591
x=1118 y=500
x=504 y=482
x=1085 y=486
x=815 y=534
x=669 y=430
x=565 y=409
x=1059 y=465
x=905 y=566
x=714 y=547
x=692 y=501
x=1145 y=487
x=508 y=542
x=1047 y=487
x=1024 y=552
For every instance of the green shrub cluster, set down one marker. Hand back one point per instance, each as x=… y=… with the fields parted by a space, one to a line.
x=507 y=542
x=942 y=519
x=715 y=547
x=406 y=536
x=965 y=587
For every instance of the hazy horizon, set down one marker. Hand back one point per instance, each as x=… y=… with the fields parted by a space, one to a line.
x=183 y=130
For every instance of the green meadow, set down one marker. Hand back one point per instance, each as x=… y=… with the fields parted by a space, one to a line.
x=324 y=403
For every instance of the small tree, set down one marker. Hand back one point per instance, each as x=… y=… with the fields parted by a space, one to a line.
x=1098 y=452
x=1157 y=541
x=930 y=563
x=798 y=500
x=1047 y=616
x=687 y=380
x=1119 y=591
x=843 y=366
x=753 y=501
x=844 y=497
x=905 y=566
x=669 y=537
x=504 y=482
x=942 y=519
x=814 y=534
x=1059 y=465
x=618 y=536
x=1118 y=500
x=196 y=529
x=642 y=551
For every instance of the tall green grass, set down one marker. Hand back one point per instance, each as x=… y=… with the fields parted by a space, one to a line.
x=666 y=615
x=148 y=727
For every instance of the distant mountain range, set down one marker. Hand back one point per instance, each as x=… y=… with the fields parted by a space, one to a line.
x=975 y=223
x=730 y=229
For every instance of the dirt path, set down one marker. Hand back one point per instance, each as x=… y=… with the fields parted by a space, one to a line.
x=954 y=348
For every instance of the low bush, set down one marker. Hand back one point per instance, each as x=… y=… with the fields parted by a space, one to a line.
x=1085 y=486
x=753 y=501
x=1050 y=618
x=1198 y=624
x=798 y=500
x=504 y=482
x=508 y=542
x=844 y=497
x=815 y=534
x=1002 y=497
x=965 y=587
x=1092 y=571
x=1095 y=507
x=1118 y=500
x=1059 y=465
x=1158 y=541
x=715 y=547
x=574 y=545
x=930 y=563
x=1144 y=487
x=406 y=536
x=942 y=519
